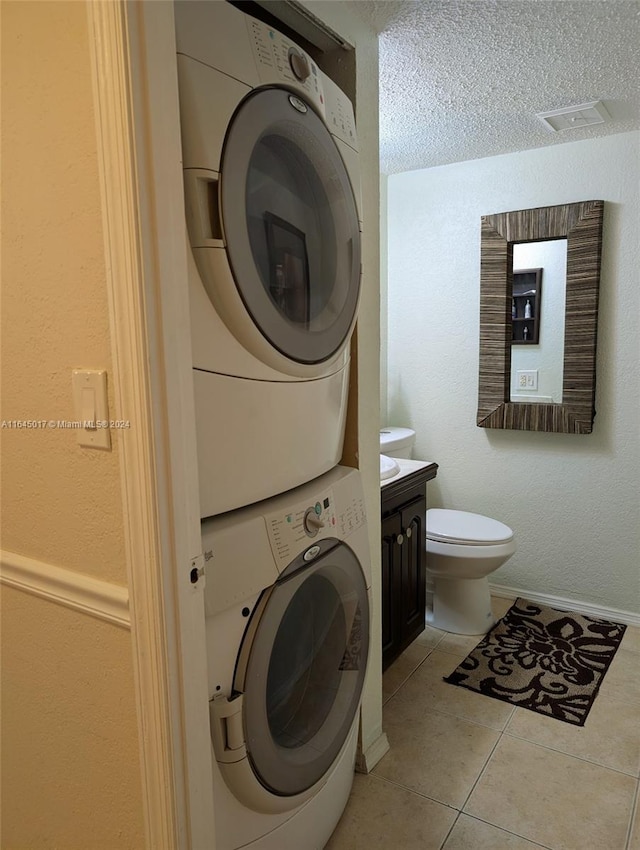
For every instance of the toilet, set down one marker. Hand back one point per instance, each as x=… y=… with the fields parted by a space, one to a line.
x=397 y=442
x=462 y=550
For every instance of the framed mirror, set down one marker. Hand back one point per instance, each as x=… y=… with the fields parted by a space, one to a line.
x=580 y=225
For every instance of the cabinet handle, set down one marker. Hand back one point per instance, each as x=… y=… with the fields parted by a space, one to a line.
x=407 y=531
x=399 y=539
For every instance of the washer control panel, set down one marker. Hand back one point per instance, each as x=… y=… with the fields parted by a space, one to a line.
x=307 y=522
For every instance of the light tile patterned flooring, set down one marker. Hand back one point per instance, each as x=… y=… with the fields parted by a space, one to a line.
x=467 y=772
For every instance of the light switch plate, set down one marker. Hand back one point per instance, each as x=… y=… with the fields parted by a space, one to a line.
x=527 y=379
x=91 y=408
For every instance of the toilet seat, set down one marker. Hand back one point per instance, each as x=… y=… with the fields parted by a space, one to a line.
x=465 y=528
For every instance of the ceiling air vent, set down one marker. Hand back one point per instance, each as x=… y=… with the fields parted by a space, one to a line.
x=574 y=117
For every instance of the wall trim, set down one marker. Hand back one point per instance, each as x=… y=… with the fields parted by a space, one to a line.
x=159 y=719
x=100 y=599
x=367 y=760
x=586 y=608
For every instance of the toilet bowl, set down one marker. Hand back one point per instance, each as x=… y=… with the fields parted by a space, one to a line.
x=397 y=442
x=462 y=550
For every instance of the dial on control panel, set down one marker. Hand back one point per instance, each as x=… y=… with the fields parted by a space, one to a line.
x=312 y=522
x=299 y=65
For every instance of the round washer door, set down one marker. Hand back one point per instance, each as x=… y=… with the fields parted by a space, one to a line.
x=302 y=671
x=290 y=226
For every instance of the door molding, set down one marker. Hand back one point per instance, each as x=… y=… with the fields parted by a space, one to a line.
x=138 y=142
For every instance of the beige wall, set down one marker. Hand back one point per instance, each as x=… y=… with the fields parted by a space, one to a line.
x=70 y=767
x=62 y=503
x=70 y=762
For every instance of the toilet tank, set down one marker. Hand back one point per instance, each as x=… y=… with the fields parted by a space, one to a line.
x=397 y=442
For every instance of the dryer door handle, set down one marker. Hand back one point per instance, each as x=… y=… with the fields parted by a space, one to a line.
x=225 y=720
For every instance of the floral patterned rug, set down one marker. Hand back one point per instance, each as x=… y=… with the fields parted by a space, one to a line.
x=537 y=657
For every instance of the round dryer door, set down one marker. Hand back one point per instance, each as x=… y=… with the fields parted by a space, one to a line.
x=290 y=225
x=302 y=670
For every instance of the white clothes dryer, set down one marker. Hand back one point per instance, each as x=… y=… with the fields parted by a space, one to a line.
x=272 y=207
x=287 y=596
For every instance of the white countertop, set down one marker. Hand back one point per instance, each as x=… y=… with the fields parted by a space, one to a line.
x=406 y=468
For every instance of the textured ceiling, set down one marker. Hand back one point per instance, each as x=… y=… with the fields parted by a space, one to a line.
x=463 y=79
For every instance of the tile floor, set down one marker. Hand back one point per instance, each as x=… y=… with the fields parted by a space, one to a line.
x=467 y=772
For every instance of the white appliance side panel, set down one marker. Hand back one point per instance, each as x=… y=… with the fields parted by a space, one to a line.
x=215 y=33
x=224 y=633
x=352 y=164
x=339 y=116
x=237 y=565
x=259 y=438
x=208 y=99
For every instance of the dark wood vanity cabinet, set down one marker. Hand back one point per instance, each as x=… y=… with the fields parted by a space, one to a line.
x=404 y=506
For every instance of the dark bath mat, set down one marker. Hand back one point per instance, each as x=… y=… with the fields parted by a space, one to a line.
x=546 y=660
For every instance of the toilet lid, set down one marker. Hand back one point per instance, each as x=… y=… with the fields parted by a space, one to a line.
x=463 y=527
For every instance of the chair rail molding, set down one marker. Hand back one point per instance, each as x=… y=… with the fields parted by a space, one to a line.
x=100 y=599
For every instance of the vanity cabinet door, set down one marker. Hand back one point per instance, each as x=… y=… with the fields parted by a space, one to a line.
x=391 y=587
x=414 y=574
x=403 y=577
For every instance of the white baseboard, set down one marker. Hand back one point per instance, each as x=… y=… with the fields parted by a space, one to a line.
x=366 y=761
x=100 y=599
x=617 y=616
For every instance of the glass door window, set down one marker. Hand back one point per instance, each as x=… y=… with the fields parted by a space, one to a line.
x=290 y=225
x=302 y=671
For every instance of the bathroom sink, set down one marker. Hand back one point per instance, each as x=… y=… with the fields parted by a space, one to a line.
x=388 y=467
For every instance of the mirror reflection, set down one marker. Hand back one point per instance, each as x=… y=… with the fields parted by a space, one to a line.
x=538 y=300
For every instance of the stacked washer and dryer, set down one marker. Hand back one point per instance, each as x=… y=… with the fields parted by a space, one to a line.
x=270 y=160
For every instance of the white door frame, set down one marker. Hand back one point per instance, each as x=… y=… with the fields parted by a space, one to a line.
x=139 y=152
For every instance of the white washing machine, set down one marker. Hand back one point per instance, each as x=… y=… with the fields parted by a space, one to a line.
x=288 y=584
x=271 y=191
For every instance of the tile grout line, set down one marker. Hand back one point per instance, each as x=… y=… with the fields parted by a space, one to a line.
x=446 y=838
x=484 y=766
x=406 y=679
x=635 y=811
x=413 y=791
x=568 y=755
x=509 y=832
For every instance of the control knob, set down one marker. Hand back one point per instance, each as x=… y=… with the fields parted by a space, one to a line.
x=312 y=522
x=299 y=65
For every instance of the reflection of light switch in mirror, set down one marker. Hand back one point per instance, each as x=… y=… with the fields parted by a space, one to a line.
x=527 y=379
x=91 y=407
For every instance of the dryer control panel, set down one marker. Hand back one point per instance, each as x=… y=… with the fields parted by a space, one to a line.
x=309 y=521
x=277 y=56
x=279 y=60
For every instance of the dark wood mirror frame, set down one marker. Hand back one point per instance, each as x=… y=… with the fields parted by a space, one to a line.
x=581 y=225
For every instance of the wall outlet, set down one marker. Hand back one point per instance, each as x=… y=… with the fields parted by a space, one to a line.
x=527 y=379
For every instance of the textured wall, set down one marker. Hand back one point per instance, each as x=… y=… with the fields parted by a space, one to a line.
x=573 y=501
x=70 y=762
x=462 y=79
x=62 y=503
